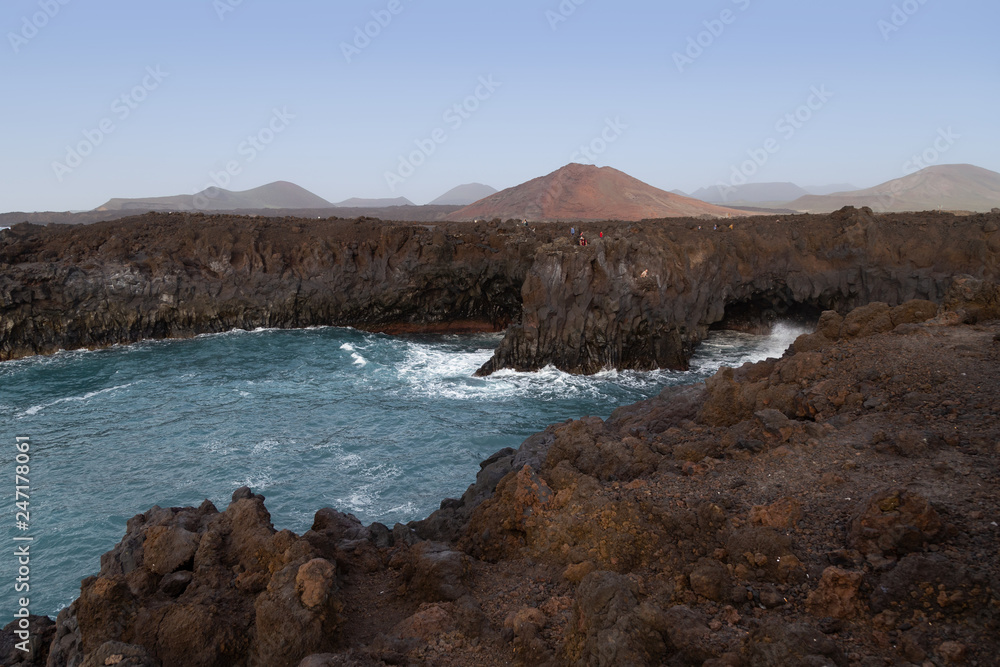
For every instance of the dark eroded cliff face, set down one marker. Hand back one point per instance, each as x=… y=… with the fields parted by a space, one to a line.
x=160 y=276
x=644 y=296
x=641 y=297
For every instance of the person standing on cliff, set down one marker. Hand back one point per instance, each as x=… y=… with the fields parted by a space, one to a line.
x=572 y=231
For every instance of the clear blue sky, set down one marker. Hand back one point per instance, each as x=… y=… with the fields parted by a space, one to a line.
x=686 y=125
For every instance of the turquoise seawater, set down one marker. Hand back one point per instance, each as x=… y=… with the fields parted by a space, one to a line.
x=382 y=427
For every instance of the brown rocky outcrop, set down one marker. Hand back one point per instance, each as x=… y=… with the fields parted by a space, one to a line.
x=197 y=586
x=895 y=521
x=837 y=595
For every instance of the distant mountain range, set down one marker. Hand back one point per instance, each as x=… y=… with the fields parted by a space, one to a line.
x=761 y=193
x=948 y=187
x=751 y=193
x=577 y=192
x=464 y=195
x=278 y=195
x=828 y=189
x=356 y=202
x=282 y=195
x=585 y=192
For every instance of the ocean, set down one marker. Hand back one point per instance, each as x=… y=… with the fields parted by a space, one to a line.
x=378 y=426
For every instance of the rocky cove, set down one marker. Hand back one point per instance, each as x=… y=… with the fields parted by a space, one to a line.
x=836 y=506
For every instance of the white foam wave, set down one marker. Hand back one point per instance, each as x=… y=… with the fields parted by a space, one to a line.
x=358 y=501
x=347 y=347
x=365 y=497
x=428 y=362
x=223 y=334
x=350 y=461
x=733 y=348
x=782 y=336
x=256 y=482
x=358 y=359
x=219 y=447
x=405 y=509
x=264 y=446
x=35 y=409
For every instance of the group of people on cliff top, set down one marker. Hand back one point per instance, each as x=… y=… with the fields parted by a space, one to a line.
x=583 y=240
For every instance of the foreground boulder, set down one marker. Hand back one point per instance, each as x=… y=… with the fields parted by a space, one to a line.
x=203 y=587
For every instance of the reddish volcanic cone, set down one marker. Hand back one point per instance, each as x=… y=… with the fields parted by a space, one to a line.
x=585 y=192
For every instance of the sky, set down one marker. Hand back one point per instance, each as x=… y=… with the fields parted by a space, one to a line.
x=409 y=98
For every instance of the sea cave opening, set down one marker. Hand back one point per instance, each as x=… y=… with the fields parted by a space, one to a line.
x=762 y=312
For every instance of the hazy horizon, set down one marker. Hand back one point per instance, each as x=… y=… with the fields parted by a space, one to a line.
x=169 y=99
